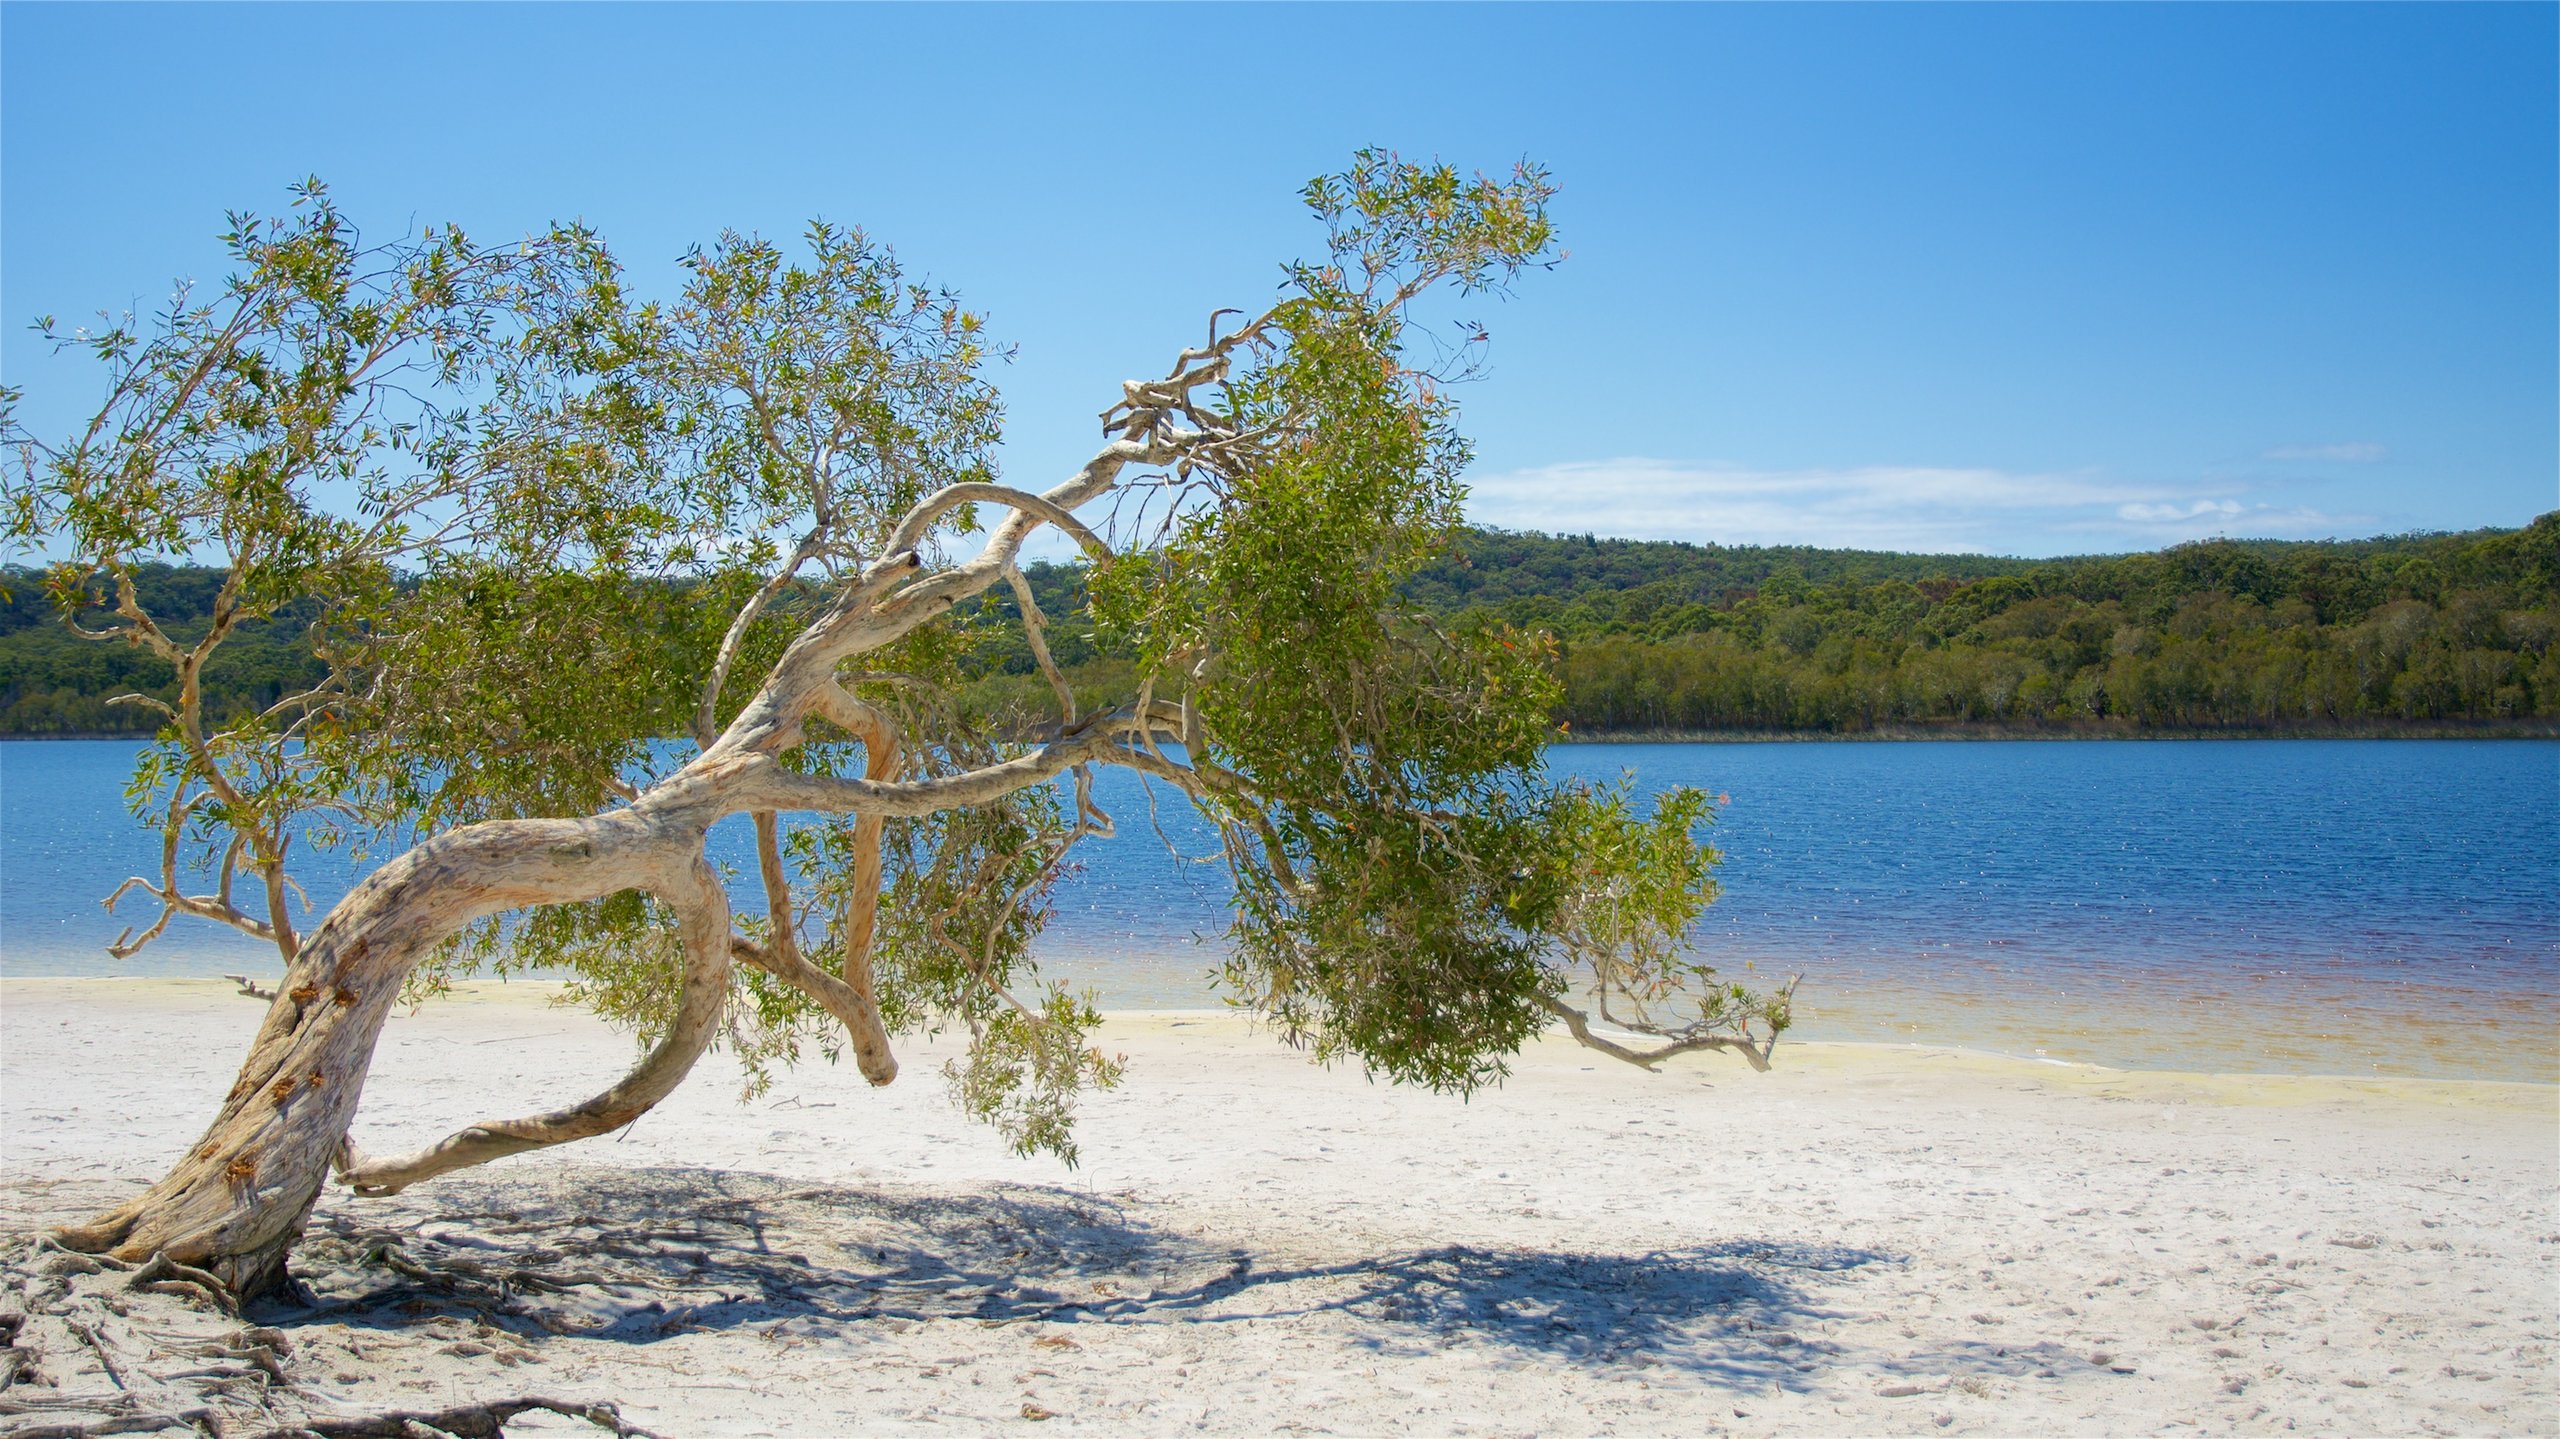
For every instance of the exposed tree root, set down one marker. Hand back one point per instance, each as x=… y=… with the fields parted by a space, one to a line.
x=92 y=1347
x=164 y=1275
x=202 y=1420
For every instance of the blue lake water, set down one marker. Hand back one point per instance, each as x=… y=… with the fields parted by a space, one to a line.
x=2378 y=907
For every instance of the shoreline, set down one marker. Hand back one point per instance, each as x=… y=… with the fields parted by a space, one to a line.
x=1862 y=1240
x=2503 y=730
x=2522 y=729
x=2447 y=1035
x=1236 y=1025
x=1868 y=1239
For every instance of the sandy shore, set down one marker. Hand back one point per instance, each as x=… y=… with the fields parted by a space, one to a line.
x=1868 y=1240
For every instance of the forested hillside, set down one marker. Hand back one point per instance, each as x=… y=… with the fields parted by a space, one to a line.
x=2221 y=635
x=54 y=682
x=2239 y=636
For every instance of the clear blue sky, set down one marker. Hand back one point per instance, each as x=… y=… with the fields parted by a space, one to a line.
x=2025 y=279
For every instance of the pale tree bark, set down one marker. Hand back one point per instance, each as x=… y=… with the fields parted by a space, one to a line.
x=236 y=1203
x=851 y=999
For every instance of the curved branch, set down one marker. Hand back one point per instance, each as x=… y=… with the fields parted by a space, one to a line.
x=702 y=908
x=861 y=919
x=767 y=785
x=1142 y=399
x=1094 y=479
x=853 y=625
x=146 y=631
x=173 y=901
x=138 y=698
x=1754 y=1054
x=270 y=866
x=852 y=999
x=126 y=945
x=706 y=715
x=856 y=1009
x=777 y=884
x=911 y=530
x=187 y=718
x=1035 y=630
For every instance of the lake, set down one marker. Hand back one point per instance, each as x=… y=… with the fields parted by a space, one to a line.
x=2359 y=906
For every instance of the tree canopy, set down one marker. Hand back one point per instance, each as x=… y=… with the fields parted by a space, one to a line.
x=532 y=520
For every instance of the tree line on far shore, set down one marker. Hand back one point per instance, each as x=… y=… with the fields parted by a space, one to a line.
x=2427 y=632
x=2221 y=635
x=54 y=682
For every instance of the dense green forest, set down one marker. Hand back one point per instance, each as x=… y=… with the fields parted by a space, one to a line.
x=2219 y=635
x=2408 y=632
x=53 y=682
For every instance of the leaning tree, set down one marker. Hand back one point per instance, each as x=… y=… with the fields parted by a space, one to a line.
x=585 y=573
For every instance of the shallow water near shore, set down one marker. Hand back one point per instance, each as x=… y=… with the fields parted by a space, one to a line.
x=2345 y=907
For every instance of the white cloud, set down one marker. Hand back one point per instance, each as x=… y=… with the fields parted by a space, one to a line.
x=1896 y=507
x=2356 y=452
x=2169 y=514
x=2238 y=521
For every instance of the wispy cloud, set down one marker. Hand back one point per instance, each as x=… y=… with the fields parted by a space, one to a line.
x=2355 y=452
x=2239 y=521
x=1899 y=507
x=2172 y=513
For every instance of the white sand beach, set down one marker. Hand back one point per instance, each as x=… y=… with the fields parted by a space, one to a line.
x=1867 y=1240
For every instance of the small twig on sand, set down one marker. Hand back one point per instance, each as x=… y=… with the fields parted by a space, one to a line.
x=470 y=1421
x=98 y=1346
x=129 y=1423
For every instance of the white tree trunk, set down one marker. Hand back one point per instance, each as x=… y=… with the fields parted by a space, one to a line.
x=235 y=1204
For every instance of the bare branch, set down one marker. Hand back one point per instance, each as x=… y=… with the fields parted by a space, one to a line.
x=1035 y=629
x=859 y=921
x=1141 y=401
x=911 y=530
x=853 y=625
x=1754 y=1054
x=173 y=902
x=770 y=786
x=270 y=866
x=489 y=1418
x=702 y=910
x=777 y=885
x=855 y=1008
x=145 y=630
x=706 y=715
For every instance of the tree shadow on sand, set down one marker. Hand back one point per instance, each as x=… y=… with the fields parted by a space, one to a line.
x=641 y=1256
